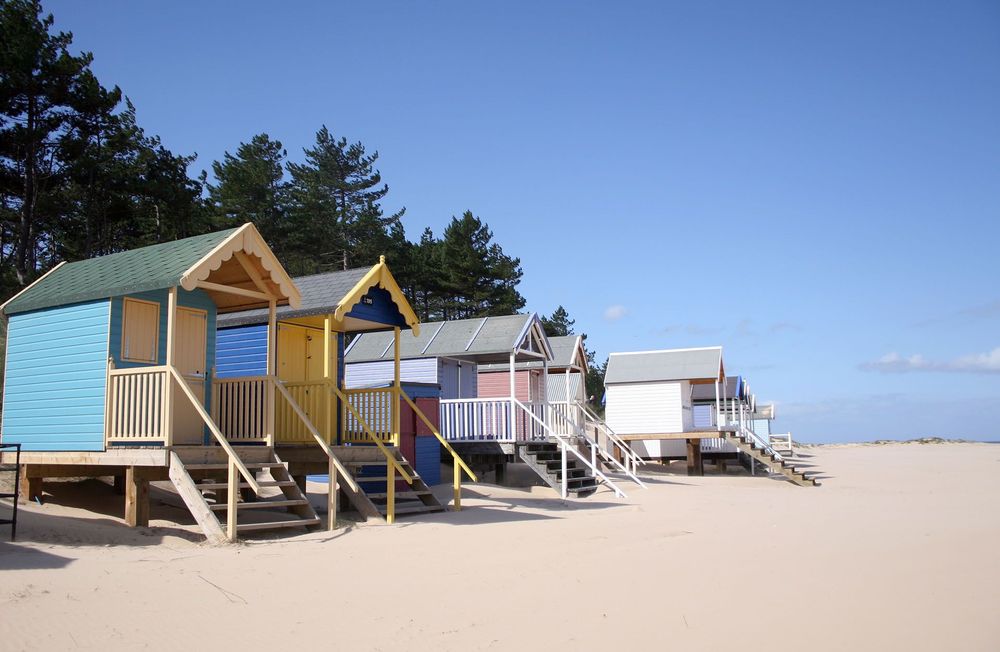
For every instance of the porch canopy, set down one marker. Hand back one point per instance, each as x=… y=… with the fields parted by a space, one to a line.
x=353 y=300
x=567 y=355
x=235 y=267
x=482 y=340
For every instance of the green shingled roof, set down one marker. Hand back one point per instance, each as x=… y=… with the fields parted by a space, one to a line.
x=139 y=270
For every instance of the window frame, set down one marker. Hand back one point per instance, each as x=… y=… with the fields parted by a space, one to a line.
x=156 y=332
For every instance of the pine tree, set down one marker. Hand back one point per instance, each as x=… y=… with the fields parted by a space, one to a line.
x=558 y=324
x=336 y=205
x=250 y=187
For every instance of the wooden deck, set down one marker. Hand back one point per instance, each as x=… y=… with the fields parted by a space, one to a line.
x=693 y=434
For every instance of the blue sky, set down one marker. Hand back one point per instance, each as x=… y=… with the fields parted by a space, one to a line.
x=815 y=186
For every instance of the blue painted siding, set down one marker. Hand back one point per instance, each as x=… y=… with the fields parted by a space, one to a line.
x=762 y=427
x=377 y=306
x=428 y=464
x=196 y=299
x=56 y=377
x=241 y=351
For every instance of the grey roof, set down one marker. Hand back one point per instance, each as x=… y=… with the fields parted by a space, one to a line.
x=154 y=267
x=461 y=338
x=653 y=366
x=321 y=294
x=563 y=355
x=734 y=384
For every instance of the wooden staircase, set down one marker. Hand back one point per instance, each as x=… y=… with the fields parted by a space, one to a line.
x=545 y=459
x=769 y=458
x=368 y=466
x=200 y=475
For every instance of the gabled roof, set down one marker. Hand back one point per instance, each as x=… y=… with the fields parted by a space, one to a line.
x=735 y=388
x=480 y=338
x=333 y=293
x=184 y=263
x=703 y=364
x=567 y=351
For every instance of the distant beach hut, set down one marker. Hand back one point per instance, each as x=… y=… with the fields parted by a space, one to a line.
x=502 y=414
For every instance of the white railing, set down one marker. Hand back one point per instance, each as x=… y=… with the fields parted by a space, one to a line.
x=239 y=407
x=136 y=405
x=614 y=445
x=784 y=440
x=562 y=423
x=566 y=448
x=477 y=419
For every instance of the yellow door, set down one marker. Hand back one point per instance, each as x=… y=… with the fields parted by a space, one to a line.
x=190 y=354
x=314 y=355
x=291 y=353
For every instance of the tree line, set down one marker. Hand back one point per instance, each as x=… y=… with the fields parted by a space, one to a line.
x=79 y=177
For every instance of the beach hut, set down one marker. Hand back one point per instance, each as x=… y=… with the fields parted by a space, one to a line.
x=372 y=434
x=669 y=403
x=491 y=422
x=109 y=374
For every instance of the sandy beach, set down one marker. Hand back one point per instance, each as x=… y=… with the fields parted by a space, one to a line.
x=897 y=550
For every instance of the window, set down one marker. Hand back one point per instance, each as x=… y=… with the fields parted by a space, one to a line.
x=140 y=330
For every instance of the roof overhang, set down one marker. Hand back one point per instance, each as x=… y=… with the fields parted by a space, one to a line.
x=379 y=276
x=241 y=273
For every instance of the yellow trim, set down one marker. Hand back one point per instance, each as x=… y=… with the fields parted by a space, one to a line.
x=246 y=239
x=156 y=330
x=381 y=276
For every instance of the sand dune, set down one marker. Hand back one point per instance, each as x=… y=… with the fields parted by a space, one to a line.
x=897 y=550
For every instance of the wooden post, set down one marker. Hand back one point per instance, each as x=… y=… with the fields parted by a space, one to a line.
x=694 y=463
x=327 y=376
x=168 y=382
x=331 y=497
x=136 y=497
x=30 y=487
x=390 y=492
x=513 y=391
x=272 y=346
x=231 y=496
x=396 y=398
x=458 y=484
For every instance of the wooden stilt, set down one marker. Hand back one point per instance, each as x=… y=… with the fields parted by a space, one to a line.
x=136 y=497
x=694 y=462
x=30 y=487
x=331 y=498
x=231 y=495
x=722 y=465
x=500 y=472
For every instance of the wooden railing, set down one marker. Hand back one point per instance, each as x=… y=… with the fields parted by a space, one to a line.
x=136 y=409
x=315 y=399
x=458 y=464
x=239 y=407
x=371 y=416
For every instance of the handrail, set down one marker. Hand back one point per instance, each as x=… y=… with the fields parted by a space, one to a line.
x=200 y=409
x=129 y=371
x=596 y=448
x=459 y=463
x=566 y=447
x=307 y=422
x=612 y=435
x=361 y=422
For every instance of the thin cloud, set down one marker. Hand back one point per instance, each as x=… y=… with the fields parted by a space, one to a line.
x=783 y=326
x=978 y=363
x=971 y=314
x=615 y=312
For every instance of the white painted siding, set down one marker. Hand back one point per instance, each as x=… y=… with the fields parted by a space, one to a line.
x=648 y=408
x=660 y=448
x=687 y=408
x=367 y=374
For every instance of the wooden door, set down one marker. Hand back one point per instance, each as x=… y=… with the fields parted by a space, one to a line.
x=291 y=353
x=190 y=344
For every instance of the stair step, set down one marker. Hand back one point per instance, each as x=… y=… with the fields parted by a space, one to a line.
x=224 y=466
x=259 y=504
x=412 y=509
x=273 y=525
x=246 y=485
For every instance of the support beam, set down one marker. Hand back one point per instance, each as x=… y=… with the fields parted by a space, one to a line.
x=331 y=497
x=136 y=497
x=251 y=271
x=230 y=289
x=695 y=466
x=272 y=356
x=328 y=375
x=396 y=398
x=30 y=487
x=171 y=361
